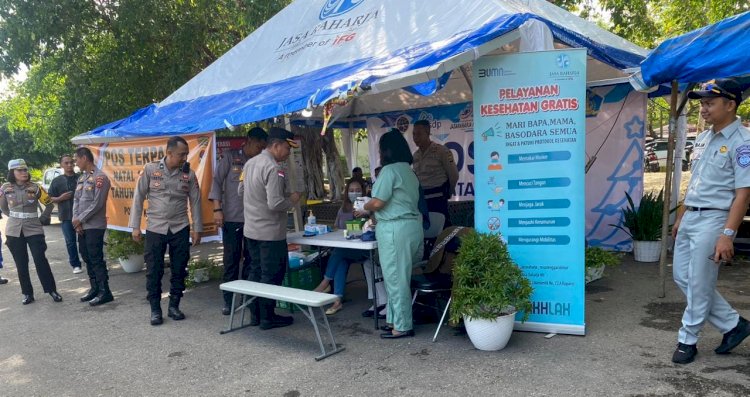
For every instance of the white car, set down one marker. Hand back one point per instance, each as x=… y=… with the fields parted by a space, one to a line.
x=49 y=175
x=660 y=148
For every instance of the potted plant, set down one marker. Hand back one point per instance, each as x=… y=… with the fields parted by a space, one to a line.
x=121 y=247
x=488 y=290
x=643 y=224
x=596 y=260
x=199 y=271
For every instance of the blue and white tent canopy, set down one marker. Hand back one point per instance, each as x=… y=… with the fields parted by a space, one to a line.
x=714 y=51
x=314 y=50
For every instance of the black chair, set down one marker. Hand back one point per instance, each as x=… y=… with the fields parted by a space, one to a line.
x=437 y=283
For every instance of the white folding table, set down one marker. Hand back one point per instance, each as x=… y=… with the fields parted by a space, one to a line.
x=336 y=239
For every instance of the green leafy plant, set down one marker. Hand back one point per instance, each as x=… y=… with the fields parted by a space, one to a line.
x=596 y=257
x=120 y=245
x=197 y=264
x=486 y=281
x=643 y=223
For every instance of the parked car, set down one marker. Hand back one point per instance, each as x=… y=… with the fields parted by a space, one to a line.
x=659 y=146
x=49 y=175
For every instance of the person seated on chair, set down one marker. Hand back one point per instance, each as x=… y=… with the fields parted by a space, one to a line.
x=341 y=258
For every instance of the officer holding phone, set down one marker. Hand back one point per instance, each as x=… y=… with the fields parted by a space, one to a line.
x=715 y=203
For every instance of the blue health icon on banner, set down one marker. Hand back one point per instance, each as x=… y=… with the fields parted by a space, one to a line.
x=530 y=117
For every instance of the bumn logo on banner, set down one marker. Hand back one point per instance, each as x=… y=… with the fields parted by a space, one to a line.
x=334 y=8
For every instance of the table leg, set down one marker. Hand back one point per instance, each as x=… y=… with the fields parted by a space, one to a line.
x=374 y=291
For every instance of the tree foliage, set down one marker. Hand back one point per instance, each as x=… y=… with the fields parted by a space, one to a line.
x=95 y=61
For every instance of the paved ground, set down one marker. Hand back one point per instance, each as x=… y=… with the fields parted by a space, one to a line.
x=70 y=349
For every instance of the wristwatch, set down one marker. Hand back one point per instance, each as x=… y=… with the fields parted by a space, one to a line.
x=728 y=232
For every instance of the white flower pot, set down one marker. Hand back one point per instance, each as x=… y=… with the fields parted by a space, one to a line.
x=594 y=273
x=201 y=275
x=647 y=251
x=133 y=263
x=490 y=335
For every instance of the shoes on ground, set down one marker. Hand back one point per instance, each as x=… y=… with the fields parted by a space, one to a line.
x=334 y=309
x=27 y=299
x=734 y=337
x=276 y=322
x=55 y=296
x=77 y=270
x=684 y=354
x=391 y=335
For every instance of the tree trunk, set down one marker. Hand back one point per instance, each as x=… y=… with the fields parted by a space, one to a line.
x=312 y=158
x=313 y=148
x=336 y=179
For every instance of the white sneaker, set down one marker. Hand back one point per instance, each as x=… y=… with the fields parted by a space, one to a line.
x=77 y=270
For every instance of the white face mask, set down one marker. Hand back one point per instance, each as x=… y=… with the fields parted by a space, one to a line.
x=353 y=196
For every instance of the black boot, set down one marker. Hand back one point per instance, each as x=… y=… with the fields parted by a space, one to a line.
x=3 y=281
x=104 y=295
x=174 y=309
x=156 y=318
x=93 y=292
x=227 y=309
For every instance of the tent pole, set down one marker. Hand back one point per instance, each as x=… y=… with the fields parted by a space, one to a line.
x=673 y=114
x=293 y=180
x=466 y=77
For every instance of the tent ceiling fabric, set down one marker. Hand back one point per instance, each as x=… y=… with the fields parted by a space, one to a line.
x=315 y=49
x=714 y=51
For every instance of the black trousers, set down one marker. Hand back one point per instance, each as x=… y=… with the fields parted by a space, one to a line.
x=235 y=251
x=37 y=245
x=269 y=260
x=179 y=253
x=440 y=202
x=91 y=248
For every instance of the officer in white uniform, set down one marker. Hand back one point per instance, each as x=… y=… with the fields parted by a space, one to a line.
x=715 y=203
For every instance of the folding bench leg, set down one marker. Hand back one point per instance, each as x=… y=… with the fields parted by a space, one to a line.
x=442 y=318
x=310 y=314
x=242 y=307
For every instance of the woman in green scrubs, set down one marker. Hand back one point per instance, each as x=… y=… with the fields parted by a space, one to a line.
x=395 y=198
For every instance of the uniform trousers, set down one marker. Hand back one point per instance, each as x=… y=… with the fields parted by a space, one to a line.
x=268 y=263
x=179 y=253
x=235 y=251
x=696 y=275
x=399 y=244
x=91 y=247
x=38 y=246
x=438 y=200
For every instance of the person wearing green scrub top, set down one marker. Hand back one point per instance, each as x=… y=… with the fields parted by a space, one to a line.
x=399 y=232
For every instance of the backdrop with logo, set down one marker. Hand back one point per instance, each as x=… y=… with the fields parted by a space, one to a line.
x=451 y=126
x=123 y=162
x=529 y=112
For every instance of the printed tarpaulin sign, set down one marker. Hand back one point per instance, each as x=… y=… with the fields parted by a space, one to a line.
x=451 y=126
x=123 y=161
x=529 y=160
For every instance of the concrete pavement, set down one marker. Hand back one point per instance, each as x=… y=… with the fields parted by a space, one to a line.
x=71 y=349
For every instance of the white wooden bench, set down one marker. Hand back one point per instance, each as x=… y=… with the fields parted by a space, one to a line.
x=305 y=300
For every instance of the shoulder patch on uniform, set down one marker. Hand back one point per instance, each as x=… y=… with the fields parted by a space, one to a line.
x=742 y=156
x=99 y=181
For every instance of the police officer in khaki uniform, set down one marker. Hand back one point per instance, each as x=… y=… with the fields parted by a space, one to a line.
x=228 y=213
x=20 y=199
x=90 y=223
x=435 y=169
x=168 y=184
x=265 y=205
x=715 y=203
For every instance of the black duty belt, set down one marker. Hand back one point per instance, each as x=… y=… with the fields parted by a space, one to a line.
x=699 y=209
